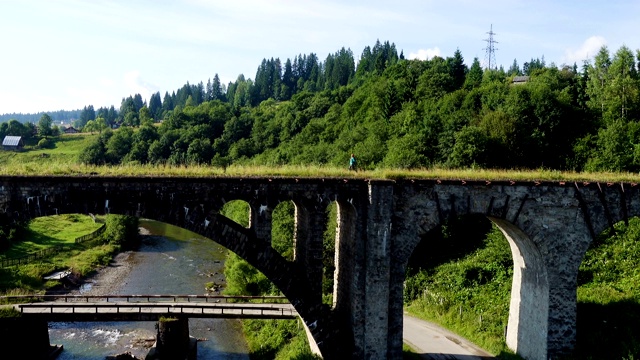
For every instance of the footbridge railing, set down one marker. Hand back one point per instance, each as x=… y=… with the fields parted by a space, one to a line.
x=150 y=307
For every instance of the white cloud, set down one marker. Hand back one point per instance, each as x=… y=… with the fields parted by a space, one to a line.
x=135 y=85
x=425 y=54
x=587 y=50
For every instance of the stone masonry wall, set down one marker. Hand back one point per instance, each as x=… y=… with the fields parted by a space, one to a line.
x=549 y=226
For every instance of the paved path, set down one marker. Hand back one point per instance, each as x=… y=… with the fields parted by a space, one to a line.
x=436 y=343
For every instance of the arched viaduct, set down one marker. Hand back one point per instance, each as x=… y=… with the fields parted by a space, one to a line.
x=549 y=226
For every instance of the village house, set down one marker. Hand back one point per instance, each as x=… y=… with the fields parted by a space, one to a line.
x=71 y=130
x=520 y=79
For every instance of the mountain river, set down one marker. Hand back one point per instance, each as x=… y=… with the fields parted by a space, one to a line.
x=171 y=260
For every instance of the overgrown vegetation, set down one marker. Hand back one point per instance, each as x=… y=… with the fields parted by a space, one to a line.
x=609 y=295
x=393 y=113
x=460 y=278
x=61 y=231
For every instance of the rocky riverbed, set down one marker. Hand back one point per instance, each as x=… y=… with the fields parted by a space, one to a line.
x=107 y=280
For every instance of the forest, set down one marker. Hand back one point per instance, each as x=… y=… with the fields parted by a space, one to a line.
x=389 y=111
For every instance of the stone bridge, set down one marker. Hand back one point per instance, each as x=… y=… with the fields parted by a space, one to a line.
x=549 y=226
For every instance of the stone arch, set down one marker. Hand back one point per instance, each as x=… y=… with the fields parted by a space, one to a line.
x=346 y=250
x=546 y=231
x=529 y=304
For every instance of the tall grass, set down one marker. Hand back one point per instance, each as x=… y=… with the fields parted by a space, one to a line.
x=63 y=160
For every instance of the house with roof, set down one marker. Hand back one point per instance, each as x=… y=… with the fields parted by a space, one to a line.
x=71 y=130
x=520 y=79
x=12 y=143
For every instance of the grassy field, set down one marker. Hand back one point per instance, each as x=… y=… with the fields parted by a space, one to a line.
x=62 y=160
x=47 y=232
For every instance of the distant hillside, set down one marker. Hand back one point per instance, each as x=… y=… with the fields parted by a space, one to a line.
x=58 y=116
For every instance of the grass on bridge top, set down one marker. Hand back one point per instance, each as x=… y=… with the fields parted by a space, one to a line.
x=62 y=160
x=308 y=171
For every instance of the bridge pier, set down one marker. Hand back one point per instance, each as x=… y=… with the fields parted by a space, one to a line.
x=28 y=338
x=173 y=341
x=363 y=273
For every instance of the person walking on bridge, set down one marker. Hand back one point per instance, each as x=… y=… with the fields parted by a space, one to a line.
x=352 y=163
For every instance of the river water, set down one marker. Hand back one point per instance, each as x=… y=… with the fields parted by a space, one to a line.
x=171 y=260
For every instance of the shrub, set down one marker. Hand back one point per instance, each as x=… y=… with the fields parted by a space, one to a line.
x=46 y=143
x=121 y=230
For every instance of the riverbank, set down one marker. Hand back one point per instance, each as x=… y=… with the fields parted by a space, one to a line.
x=107 y=280
x=170 y=260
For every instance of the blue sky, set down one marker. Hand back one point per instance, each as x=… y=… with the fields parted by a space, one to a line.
x=66 y=54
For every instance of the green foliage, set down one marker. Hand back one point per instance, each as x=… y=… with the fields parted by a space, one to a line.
x=44 y=233
x=609 y=296
x=282 y=220
x=46 y=143
x=267 y=339
x=329 y=253
x=44 y=125
x=277 y=339
x=121 y=230
x=463 y=281
x=237 y=211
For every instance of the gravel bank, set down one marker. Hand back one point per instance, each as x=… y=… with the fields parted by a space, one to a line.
x=107 y=280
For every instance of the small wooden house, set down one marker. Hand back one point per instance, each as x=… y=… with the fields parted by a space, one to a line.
x=520 y=79
x=71 y=130
x=12 y=143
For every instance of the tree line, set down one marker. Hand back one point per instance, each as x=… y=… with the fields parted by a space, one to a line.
x=394 y=112
x=390 y=112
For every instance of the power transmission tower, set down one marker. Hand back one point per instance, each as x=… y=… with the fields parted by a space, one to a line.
x=490 y=55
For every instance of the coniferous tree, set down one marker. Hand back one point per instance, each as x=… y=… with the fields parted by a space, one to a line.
x=167 y=103
x=138 y=102
x=599 y=80
x=623 y=91
x=155 y=106
x=514 y=70
x=475 y=75
x=457 y=69
x=216 y=89
x=288 y=84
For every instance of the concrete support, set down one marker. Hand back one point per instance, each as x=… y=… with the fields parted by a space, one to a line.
x=527 y=328
x=378 y=265
x=310 y=224
x=173 y=341
x=27 y=339
x=346 y=251
x=260 y=222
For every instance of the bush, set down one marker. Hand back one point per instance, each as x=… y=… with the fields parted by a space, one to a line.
x=121 y=230
x=46 y=143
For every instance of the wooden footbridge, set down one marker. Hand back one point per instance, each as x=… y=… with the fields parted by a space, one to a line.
x=52 y=308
